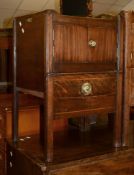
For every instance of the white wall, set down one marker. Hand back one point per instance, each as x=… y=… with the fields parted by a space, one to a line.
x=129 y=6
x=11 y=8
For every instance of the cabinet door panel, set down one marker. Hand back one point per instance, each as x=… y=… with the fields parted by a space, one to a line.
x=74 y=53
x=30 y=49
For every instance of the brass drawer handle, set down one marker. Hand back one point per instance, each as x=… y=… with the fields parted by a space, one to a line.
x=86 y=89
x=92 y=43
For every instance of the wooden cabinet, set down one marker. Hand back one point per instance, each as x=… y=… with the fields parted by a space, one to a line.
x=71 y=44
x=70 y=62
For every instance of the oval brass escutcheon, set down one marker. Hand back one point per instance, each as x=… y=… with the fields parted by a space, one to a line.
x=86 y=88
x=92 y=43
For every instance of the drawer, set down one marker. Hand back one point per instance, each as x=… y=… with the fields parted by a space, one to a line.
x=71 y=86
x=79 y=93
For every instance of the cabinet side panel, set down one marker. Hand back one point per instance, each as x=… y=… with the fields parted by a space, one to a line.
x=30 y=52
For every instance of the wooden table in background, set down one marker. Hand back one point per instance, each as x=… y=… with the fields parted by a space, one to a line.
x=28 y=121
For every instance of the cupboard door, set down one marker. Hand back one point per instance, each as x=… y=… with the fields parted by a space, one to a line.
x=80 y=48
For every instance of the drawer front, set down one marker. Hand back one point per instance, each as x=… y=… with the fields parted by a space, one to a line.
x=71 y=86
x=79 y=93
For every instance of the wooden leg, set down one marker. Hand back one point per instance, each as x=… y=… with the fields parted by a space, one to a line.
x=48 y=133
x=118 y=113
x=15 y=116
x=15 y=92
x=126 y=116
x=126 y=107
x=42 y=120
